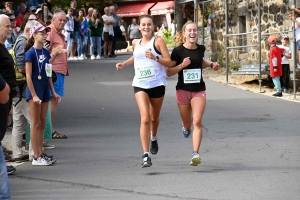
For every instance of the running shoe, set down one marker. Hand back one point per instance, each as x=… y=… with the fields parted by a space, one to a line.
x=40 y=161
x=49 y=159
x=93 y=57
x=195 y=159
x=146 y=161
x=10 y=170
x=186 y=133
x=153 y=147
x=98 y=57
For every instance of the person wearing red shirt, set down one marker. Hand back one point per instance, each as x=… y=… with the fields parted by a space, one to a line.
x=275 y=64
x=18 y=16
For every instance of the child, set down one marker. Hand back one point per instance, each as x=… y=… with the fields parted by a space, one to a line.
x=275 y=64
x=38 y=88
x=285 y=78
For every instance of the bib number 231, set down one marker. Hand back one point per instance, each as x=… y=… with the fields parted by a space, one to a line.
x=191 y=75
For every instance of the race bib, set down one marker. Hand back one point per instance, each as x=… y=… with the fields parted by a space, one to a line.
x=191 y=75
x=145 y=73
x=48 y=68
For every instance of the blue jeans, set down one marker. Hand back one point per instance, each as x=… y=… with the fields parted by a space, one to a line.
x=81 y=44
x=4 y=184
x=276 y=81
x=95 y=40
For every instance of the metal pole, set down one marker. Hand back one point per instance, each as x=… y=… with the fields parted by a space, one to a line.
x=259 y=44
x=226 y=39
x=294 y=59
x=203 y=23
x=196 y=12
x=238 y=34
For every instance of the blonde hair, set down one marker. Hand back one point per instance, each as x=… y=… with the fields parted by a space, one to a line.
x=179 y=37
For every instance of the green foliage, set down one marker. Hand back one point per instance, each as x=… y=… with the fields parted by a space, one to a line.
x=234 y=66
x=168 y=38
x=65 y=4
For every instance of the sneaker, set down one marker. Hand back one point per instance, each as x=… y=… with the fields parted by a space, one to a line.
x=24 y=158
x=81 y=57
x=10 y=170
x=285 y=90
x=40 y=161
x=98 y=57
x=146 y=161
x=46 y=145
x=85 y=57
x=92 y=57
x=75 y=58
x=277 y=94
x=195 y=159
x=51 y=160
x=153 y=147
x=186 y=133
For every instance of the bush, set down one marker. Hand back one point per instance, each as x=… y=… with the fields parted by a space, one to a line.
x=169 y=39
x=234 y=66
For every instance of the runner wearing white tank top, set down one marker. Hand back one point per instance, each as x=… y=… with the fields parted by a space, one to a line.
x=150 y=57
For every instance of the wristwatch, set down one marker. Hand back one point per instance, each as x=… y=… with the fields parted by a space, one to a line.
x=156 y=58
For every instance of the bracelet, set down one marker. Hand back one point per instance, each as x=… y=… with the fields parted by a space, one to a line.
x=181 y=66
x=211 y=65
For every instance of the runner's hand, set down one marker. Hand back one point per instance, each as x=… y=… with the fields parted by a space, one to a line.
x=36 y=100
x=148 y=54
x=120 y=66
x=215 y=66
x=186 y=62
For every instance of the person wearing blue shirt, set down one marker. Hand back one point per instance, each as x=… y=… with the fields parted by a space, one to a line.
x=82 y=35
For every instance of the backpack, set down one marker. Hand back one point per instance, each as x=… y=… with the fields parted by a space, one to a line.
x=20 y=77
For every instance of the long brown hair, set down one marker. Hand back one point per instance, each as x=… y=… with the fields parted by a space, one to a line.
x=179 y=37
x=29 y=44
x=146 y=16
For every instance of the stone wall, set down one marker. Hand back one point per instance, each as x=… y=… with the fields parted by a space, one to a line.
x=242 y=17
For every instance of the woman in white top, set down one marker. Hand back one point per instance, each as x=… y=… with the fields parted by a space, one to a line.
x=149 y=58
x=69 y=29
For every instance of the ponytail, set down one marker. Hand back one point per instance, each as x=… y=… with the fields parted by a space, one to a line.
x=29 y=44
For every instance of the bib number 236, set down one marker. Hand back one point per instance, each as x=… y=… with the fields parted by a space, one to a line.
x=192 y=75
x=146 y=73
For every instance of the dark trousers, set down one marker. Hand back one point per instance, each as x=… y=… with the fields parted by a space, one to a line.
x=4 y=111
x=285 y=78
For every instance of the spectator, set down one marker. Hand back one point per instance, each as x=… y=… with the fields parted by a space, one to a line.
x=27 y=17
x=22 y=9
x=295 y=18
x=173 y=27
x=39 y=16
x=96 y=27
x=14 y=34
x=69 y=30
x=4 y=184
x=8 y=73
x=8 y=7
x=133 y=31
x=285 y=78
x=90 y=12
x=122 y=28
x=32 y=10
x=73 y=5
x=82 y=36
x=116 y=28
x=49 y=5
x=21 y=115
x=18 y=16
x=108 y=32
x=59 y=65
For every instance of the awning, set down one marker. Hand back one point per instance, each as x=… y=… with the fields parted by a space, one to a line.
x=162 y=8
x=134 y=9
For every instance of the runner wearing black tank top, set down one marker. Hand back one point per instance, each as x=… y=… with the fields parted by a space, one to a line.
x=187 y=62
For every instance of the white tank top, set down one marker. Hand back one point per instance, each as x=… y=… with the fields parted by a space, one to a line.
x=148 y=72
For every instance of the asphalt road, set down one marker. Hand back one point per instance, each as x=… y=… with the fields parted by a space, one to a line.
x=250 y=148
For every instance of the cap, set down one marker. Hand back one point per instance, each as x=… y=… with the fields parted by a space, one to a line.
x=38 y=10
x=272 y=40
x=285 y=37
x=17 y=12
x=39 y=28
x=32 y=8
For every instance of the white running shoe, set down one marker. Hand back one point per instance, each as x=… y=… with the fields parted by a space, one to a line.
x=92 y=57
x=81 y=57
x=85 y=57
x=195 y=159
x=40 y=161
x=98 y=57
